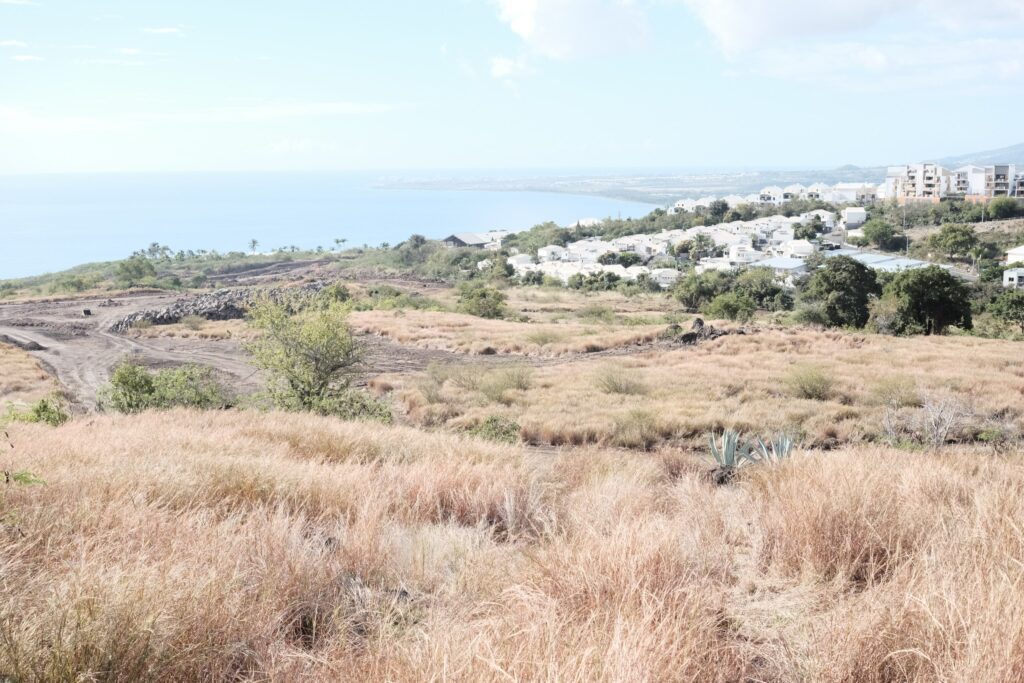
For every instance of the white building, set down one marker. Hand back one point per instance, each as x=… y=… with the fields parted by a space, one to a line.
x=665 y=277
x=1015 y=255
x=552 y=252
x=771 y=195
x=791 y=192
x=797 y=249
x=854 y=217
x=828 y=219
x=1013 y=278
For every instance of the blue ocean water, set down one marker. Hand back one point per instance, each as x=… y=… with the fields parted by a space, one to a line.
x=48 y=223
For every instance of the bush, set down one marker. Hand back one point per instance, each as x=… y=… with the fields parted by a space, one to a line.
x=810 y=383
x=596 y=313
x=811 y=313
x=133 y=389
x=843 y=289
x=543 y=337
x=498 y=429
x=481 y=301
x=929 y=299
x=732 y=306
x=897 y=392
x=613 y=380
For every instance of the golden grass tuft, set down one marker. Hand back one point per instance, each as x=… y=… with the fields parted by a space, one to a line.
x=22 y=378
x=234 y=545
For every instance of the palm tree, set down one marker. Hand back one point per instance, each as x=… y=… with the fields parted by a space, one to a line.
x=339 y=241
x=253 y=243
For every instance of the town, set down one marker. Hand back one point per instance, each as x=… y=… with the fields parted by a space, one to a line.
x=781 y=243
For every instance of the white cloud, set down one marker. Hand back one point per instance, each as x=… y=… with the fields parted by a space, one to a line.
x=745 y=25
x=567 y=29
x=163 y=30
x=505 y=68
x=27 y=58
x=130 y=51
x=12 y=43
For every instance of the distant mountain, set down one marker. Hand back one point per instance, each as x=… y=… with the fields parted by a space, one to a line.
x=1005 y=155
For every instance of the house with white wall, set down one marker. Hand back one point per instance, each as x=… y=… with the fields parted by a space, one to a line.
x=1015 y=255
x=1013 y=278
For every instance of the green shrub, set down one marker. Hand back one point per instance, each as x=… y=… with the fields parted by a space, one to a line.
x=52 y=410
x=133 y=389
x=732 y=306
x=497 y=428
x=614 y=380
x=810 y=383
x=596 y=313
x=481 y=301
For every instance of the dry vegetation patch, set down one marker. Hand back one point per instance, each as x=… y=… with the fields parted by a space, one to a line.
x=827 y=388
x=22 y=379
x=468 y=334
x=228 y=546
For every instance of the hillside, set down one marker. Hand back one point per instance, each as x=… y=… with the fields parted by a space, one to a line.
x=1014 y=154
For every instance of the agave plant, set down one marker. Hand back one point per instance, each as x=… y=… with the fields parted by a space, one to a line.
x=773 y=452
x=731 y=453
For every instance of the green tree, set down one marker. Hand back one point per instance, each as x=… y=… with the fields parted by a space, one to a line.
x=717 y=210
x=843 y=287
x=253 y=243
x=132 y=271
x=732 y=306
x=1005 y=207
x=701 y=246
x=695 y=291
x=879 y=233
x=1009 y=307
x=929 y=300
x=308 y=356
x=760 y=285
x=954 y=239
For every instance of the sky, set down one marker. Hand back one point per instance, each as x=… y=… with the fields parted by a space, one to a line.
x=195 y=85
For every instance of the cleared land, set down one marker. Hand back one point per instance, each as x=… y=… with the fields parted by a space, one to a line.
x=231 y=546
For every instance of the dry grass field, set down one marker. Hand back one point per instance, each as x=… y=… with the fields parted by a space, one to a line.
x=468 y=334
x=197 y=329
x=246 y=546
x=753 y=383
x=22 y=380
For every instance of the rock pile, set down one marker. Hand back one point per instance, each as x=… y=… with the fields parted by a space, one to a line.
x=699 y=332
x=222 y=304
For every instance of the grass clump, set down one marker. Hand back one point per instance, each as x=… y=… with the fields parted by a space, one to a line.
x=596 y=313
x=810 y=382
x=498 y=429
x=193 y=322
x=498 y=383
x=616 y=380
x=637 y=429
x=897 y=392
x=543 y=337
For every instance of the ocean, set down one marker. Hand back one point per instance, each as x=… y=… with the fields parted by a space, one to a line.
x=52 y=222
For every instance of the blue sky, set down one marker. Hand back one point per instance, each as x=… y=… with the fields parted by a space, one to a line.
x=123 y=85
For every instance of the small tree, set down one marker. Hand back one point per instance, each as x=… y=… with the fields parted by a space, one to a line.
x=130 y=272
x=879 y=233
x=955 y=240
x=308 y=356
x=930 y=299
x=844 y=288
x=253 y=243
x=1009 y=307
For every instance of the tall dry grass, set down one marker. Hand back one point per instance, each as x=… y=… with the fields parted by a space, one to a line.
x=22 y=379
x=847 y=383
x=468 y=334
x=244 y=546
